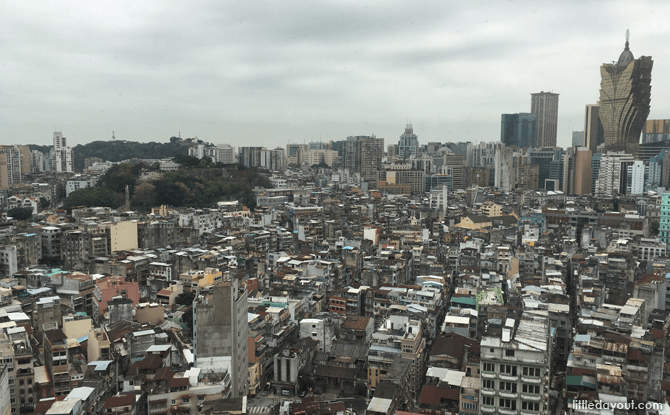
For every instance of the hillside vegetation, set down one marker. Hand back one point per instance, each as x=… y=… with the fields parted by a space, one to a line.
x=199 y=184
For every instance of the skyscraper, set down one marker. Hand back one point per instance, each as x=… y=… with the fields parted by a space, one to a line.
x=593 y=128
x=625 y=94
x=577 y=138
x=11 y=165
x=408 y=145
x=613 y=174
x=545 y=107
x=518 y=130
x=363 y=155
x=62 y=159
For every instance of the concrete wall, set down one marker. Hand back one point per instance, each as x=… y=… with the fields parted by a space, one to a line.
x=123 y=236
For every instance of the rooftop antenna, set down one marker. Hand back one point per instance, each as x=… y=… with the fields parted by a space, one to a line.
x=113 y=138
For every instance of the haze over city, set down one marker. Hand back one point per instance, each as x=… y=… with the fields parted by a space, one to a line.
x=303 y=71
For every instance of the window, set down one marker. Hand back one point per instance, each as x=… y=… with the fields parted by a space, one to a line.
x=201 y=398
x=187 y=400
x=491 y=350
x=507 y=403
x=488 y=384
x=469 y=405
x=532 y=371
x=488 y=401
x=174 y=402
x=534 y=389
x=508 y=370
x=509 y=353
x=531 y=406
x=489 y=367
x=508 y=387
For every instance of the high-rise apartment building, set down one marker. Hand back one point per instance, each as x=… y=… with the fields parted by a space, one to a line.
x=245 y=155
x=12 y=164
x=220 y=338
x=655 y=131
x=518 y=130
x=594 y=134
x=625 y=94
x=613 y=174
x=408 y=145
x=62 y=158
x=577 y=138
x=363 y=155
x=457 y=164
x=505 y=173
x=544 y=105
x=637 y=174
x=664 y=228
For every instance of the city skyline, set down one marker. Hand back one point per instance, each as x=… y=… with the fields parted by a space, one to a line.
x=320 y=72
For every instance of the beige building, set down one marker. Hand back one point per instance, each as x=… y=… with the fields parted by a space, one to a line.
x=321 y=156
x=75 y=329
x=153 y=314
x=99 y=346
x=491 y=209
x=123 y=236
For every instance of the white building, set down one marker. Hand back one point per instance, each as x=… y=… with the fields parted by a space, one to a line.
x=23 y=202
x=636 y=178
x=223 y=153
x=612 y=165
x=79 y=182
x=62 y=158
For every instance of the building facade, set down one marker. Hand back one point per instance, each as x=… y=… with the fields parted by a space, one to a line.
x=625 y=95
x=518 y=130
x=220 y=337
x=544 y=105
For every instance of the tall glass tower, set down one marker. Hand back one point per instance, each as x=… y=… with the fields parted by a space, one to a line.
x=625 y=94
x=408 y=145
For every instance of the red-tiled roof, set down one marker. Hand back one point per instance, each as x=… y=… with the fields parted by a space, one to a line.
x=453 y=345
x=163 y=374
x=44 y=405
x=179 y=382
x=432 y=395
x=123 y=400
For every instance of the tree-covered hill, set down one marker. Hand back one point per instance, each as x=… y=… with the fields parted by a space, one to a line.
x=124 y=150
x=199 y=184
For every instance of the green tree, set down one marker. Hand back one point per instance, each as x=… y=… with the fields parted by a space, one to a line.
x=44 y=203
x=20 y=213
x=655 y=226
x=144 y=194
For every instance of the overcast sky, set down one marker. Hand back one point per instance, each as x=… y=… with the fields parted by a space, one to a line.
x=266 y=72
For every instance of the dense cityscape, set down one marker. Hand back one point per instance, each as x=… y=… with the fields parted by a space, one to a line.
x=370 y=275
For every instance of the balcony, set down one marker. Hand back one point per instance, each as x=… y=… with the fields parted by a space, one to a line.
x=506 y=411
x=487 y=392
x=534 y=398
x=488 y=409
x=489 y=375
x=511 y=395
x=535 y=381
x=512 y=378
